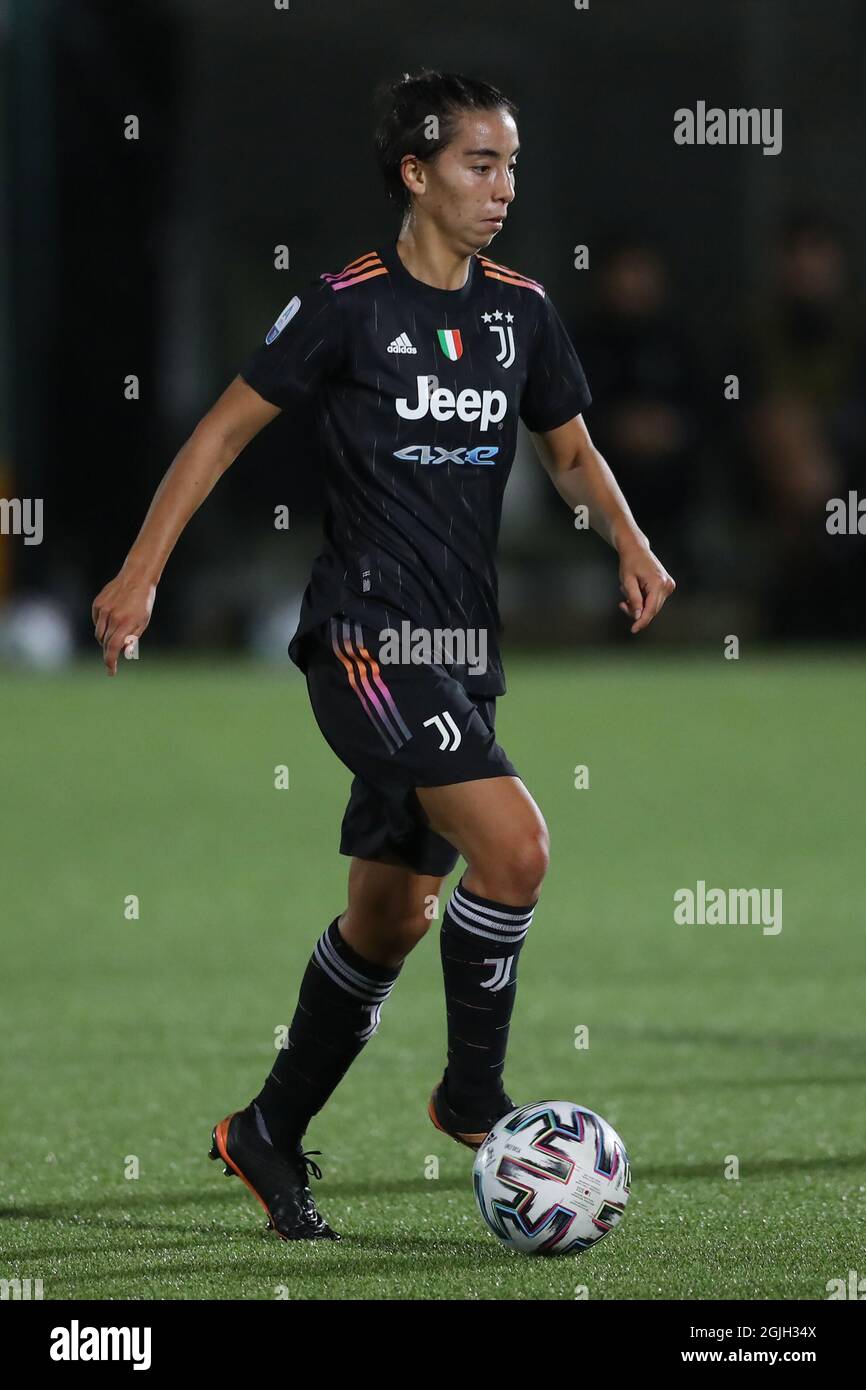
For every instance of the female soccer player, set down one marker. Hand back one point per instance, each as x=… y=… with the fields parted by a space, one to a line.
x=422 y=354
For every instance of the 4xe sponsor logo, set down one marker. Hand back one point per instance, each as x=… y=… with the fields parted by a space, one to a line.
x=434 y=453
x=487 y=407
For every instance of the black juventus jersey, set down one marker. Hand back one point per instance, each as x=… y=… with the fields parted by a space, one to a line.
x=419 y=392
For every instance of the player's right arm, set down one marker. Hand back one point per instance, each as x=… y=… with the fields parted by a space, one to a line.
x=122 y=609
x=305 y=345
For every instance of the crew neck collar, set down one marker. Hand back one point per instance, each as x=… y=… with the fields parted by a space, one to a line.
x=389 y=255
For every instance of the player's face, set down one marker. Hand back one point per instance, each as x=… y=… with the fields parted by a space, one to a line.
x=469 y=186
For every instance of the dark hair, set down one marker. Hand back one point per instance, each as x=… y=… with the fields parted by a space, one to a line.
x=404 y=108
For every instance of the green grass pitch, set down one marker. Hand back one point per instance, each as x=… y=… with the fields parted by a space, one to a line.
x=132 y=1038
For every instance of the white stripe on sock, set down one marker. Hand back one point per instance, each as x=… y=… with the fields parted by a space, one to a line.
x=373 y=991
x=515 y=914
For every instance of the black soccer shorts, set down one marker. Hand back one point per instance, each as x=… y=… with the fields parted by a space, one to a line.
x=396 y=727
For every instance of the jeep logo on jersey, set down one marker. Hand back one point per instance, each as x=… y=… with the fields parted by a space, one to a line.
x=288 y=313
x=487 y=407
x=434 y=453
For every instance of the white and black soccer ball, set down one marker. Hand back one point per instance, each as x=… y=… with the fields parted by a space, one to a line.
x=552 y=1178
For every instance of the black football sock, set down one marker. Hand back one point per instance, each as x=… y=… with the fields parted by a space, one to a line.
x=337 y=1013
x=479 y=944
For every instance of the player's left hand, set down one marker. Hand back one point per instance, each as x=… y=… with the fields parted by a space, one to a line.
x=646 y=585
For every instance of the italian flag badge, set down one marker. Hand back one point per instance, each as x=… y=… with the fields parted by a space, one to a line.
x=450 y=342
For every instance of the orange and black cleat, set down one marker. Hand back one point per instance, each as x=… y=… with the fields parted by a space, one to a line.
x=466 y=1129
x=277 y=1180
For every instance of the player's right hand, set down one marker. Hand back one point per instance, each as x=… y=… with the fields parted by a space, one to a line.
x=121 y=611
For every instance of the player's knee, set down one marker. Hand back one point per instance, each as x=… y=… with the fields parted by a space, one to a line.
x=384 y=935
x=411 y=928
x=529 y=864
x=516 y=865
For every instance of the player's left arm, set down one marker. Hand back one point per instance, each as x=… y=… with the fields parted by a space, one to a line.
x=583 y=478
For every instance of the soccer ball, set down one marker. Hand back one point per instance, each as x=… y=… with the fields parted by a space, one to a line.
x=551 y=1178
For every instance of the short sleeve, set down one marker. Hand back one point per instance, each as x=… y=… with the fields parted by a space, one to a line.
x=556 y=388
x=303 y=347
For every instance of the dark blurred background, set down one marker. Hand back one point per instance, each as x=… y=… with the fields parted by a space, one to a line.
x=155 y=257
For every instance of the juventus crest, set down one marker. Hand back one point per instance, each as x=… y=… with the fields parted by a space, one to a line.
x=505 y=334
x=501 y=974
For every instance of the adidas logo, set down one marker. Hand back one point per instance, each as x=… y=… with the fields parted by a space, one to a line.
x=401 y=344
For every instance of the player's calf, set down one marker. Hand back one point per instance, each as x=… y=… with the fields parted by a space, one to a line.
x=502 y=835
x=390 y=909
x=480 y=944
